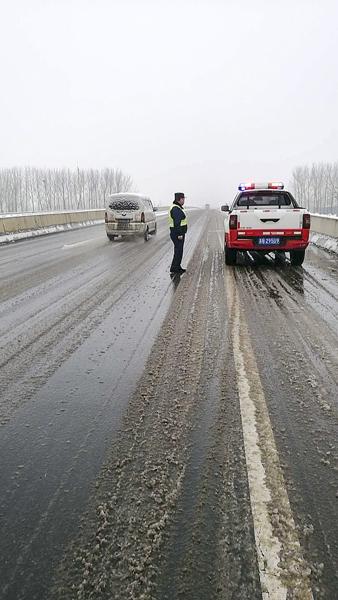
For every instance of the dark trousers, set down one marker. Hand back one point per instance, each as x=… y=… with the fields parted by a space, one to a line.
x=178 y=251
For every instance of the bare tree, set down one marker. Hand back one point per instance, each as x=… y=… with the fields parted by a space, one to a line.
x=317 y=187
x=32 y=189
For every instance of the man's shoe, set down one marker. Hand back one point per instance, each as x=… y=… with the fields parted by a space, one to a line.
x=182 y=270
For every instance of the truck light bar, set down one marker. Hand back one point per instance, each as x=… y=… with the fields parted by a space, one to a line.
x=246 y=186
x=276 y=186
x=272 y=185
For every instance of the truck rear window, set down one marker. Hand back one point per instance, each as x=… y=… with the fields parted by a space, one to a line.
x=264 y=198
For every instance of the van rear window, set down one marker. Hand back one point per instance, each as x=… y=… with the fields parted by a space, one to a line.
x=124 y=204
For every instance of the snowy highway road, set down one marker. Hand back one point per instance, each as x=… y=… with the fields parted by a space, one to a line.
x=164 y=439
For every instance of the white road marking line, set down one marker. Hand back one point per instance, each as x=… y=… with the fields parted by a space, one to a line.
x=211 y=234
x=282 y=569
x=78 y=243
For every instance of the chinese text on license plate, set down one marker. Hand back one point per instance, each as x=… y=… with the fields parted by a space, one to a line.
x=268 y=241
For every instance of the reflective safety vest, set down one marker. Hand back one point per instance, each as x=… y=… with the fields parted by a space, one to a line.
x=183 y=220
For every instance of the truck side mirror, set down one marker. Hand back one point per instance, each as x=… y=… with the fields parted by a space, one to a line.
x=225 y=208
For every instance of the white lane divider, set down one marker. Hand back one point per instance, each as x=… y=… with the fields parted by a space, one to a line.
x=66 y=246
x=283 y=571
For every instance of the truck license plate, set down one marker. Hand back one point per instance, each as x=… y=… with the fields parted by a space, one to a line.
x=268 y=241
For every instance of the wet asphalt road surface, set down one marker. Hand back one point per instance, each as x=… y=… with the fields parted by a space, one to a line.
x=167 y=438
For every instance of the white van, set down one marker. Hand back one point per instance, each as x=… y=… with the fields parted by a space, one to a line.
x=129 y=214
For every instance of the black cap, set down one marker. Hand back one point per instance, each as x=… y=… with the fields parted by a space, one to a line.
x=179 y=195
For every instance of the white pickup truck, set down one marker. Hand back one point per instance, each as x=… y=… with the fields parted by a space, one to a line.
x=265 y=218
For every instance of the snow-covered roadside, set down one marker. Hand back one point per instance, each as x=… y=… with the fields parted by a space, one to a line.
x=50 y=212
x=334 y=217
x=324 y=241
x=21 y=235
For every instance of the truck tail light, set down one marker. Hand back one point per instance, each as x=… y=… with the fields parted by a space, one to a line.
x=306 y=221
x=142 y=217
x=233 y=222
x=105 y=217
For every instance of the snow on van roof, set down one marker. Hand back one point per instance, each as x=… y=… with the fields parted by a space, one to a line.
x=127 y=195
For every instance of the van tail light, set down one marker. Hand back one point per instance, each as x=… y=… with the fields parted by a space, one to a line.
x=142 y=217
x=105 y=217
x=306 y=221
x=233 y=222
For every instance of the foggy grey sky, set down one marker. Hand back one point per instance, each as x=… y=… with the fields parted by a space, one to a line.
x=192 y=95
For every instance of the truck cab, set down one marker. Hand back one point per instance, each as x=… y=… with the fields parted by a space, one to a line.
x=265 y=218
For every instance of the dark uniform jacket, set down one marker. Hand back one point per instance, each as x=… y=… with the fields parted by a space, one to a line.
x=177 y=215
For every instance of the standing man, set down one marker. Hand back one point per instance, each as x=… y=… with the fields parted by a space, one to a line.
x=178 y=229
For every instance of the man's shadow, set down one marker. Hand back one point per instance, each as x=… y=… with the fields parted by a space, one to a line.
x=175 y=278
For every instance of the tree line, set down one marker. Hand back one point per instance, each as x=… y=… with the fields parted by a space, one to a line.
x=316 y=187
x=34 y=190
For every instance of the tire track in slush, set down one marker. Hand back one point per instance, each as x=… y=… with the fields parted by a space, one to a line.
x=138 y=489
x=210 y=551
x=283 y=571
x=57 y=331
x=41 y=513
x=298 y=368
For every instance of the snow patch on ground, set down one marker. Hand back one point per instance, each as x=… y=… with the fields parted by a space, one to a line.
x=325 y=241
x=325 y=216
x=21 y=235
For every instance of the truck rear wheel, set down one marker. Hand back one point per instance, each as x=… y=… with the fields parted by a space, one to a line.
x=230 y=256
x=297 y=257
